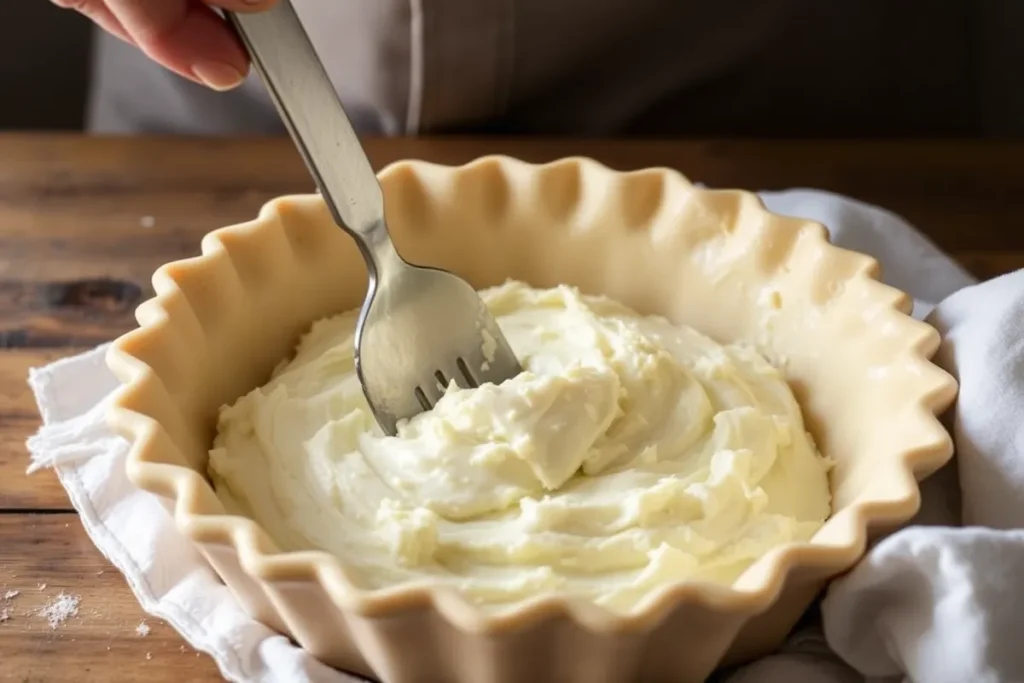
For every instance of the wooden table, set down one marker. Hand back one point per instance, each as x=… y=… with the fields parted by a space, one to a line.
x=84 y=222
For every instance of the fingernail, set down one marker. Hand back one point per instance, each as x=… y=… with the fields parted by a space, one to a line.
x=218 y=75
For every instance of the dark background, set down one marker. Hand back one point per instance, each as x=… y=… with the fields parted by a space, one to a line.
x=45 y=64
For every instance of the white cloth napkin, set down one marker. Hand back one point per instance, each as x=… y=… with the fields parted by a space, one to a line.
x=934 y=603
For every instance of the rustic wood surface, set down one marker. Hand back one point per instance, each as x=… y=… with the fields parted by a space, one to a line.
x=84 y=222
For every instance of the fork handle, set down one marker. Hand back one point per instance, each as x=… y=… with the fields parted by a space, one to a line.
x=298 y=84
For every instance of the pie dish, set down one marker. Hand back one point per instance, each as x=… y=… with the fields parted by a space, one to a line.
x=715 y=260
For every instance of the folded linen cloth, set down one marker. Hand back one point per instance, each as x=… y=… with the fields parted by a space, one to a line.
x=934 y=603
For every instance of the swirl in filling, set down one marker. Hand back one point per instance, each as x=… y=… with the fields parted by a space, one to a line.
x=629 y=454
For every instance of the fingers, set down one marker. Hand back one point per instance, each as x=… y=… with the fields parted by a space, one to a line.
x=186 y=36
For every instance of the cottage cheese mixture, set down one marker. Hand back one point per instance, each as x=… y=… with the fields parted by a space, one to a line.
x=630 y=453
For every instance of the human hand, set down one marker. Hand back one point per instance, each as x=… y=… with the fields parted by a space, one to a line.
x=186 y=36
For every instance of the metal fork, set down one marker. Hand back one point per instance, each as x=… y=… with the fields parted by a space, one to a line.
x=419 y=328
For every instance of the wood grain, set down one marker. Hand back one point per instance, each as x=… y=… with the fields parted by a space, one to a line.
x=85 y=221
x=19 y=419
x=44 y=555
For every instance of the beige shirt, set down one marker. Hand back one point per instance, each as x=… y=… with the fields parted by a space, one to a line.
x=604 y=67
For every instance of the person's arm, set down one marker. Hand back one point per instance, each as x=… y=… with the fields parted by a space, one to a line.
x=186 y=36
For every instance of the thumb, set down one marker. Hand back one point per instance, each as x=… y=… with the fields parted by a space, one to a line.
x=186 y=36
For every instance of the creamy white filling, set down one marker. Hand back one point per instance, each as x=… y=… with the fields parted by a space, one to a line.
x=630 y=453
